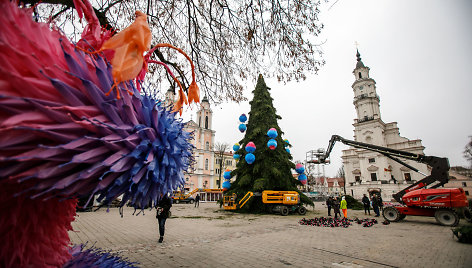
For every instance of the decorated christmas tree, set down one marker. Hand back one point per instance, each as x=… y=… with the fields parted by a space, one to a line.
x=272 y=167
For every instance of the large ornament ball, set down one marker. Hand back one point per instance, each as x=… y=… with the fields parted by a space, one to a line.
x=272 y=133
x=303 y=182
x=272 y=144
x=236 y=147
x=287 y=142
x=302 y=177
x=242 y=128
x=250 y=147
x=250 y=158
x=226 y=185
x=236 y=156
x=287 y=149
x=227 y=174
x=299 y=168
x=242 y=118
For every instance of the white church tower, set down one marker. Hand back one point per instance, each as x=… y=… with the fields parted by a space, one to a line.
x=367 y=171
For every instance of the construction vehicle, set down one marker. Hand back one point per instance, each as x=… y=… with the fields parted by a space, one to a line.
x=180 y=197
x=282 y=202
x=421 y=198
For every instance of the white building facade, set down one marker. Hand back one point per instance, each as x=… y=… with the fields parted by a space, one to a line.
x=371 y=172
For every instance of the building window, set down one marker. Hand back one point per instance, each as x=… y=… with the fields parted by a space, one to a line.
x=373 y=176
x=206 y=122
x=207 y=146
x=464 y=184
x=206 y=164
x=407 y=177
x=371 y=160
x=358 y=178
x=218 y=161
x=229 y=162
x=360 y=75
x=466 y=192
x=187 y=179
x=217 y=171
x=199 y=121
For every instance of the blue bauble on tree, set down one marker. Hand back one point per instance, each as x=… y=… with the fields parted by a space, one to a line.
x=226 y=185
x=272 y=144
x=299 y=168
x=236 y=156
x=302 y=178
x=242 y=128
x=227 y=174
x=242 y=118
x=250 y=158
x=272 y=133
x=236 y=147
x=250 y=147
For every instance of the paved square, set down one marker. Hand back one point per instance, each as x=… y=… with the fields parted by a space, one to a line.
x=211 y=237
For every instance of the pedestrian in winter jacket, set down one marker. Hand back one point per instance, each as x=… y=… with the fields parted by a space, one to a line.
x=336 y=207
x=375 y=205
x=343 y=206
x=329 y=204
x=366 y=203
x=163 y=206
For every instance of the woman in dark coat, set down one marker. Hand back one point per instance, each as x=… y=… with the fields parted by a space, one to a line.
x=336 y=208
x=163 y=207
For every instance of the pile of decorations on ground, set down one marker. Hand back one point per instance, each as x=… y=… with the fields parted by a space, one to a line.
x=338 y=222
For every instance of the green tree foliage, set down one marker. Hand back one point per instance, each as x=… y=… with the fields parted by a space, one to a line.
x=272 y=169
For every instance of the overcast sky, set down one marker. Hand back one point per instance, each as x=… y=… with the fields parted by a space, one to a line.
x=419 y=54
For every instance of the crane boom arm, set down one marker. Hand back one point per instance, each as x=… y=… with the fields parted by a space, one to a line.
x=439 y=165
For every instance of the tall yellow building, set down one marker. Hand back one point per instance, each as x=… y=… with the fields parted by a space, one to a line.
x=202 y=173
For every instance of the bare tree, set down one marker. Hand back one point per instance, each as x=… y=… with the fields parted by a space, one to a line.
x=220 y=149
x=229 y=41
x=342 y=174
x=468 y=151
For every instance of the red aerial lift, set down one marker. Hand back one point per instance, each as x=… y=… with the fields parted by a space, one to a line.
x=421 y=198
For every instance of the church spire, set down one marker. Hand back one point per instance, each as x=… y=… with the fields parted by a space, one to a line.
x=359 y=64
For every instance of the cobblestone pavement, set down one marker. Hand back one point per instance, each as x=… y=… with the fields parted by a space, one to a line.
x=211 y=237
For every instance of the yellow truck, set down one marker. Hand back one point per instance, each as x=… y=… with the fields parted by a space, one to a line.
x=282 y=202
x=180 y=197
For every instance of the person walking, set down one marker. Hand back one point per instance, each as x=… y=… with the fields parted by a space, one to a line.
x=381 y=204
x=329 y=204
x=197 y=200
x=366 y=203
x=336 y=208
x=343 y=206
x=375 y=205
x=163 y=207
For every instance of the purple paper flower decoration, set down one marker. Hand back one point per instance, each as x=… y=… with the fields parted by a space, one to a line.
x=90 y=143
x=94 y=257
